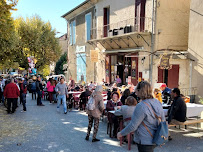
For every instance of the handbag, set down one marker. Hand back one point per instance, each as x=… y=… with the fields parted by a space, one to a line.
x=161 y=135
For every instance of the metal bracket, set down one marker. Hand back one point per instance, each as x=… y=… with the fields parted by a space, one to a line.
x=138 y=36
x=123 y=41
x=107 y=43
x=128 y=37
x=116 y=43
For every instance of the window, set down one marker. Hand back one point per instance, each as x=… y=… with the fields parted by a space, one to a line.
x=72 y=33
x=88 y=21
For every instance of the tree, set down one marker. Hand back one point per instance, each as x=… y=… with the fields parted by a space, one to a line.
x=36 y=39
x=8 y=38
x=60 y=63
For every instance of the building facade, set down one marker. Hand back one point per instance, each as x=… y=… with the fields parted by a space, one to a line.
x=195 y=46
x=137 y=40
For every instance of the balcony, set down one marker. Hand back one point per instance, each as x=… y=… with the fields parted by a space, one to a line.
x=123 y=35
x=139 y=25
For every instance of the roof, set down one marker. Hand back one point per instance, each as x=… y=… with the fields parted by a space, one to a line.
x=85 y=2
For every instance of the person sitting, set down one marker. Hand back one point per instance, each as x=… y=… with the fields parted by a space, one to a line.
x=177 y=111
x=125 y=94
x=166 y=93
x=112 y=105
x=84 y=98
x=157 y=94
x=127 y=110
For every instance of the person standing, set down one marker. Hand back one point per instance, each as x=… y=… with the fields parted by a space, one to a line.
x=23 y=92
x=62 y=91
x=50 y=89
x=118 y=81
x=1 y=89
x=39 y=90
x=12 y=93
x=94 y=115
x=144 y=122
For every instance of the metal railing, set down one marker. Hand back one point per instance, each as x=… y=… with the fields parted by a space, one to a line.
x=191 y=92
x=138 y=24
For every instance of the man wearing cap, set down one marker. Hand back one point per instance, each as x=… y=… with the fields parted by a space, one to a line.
x=11 y=93
x=23 y=92
x=165 y=89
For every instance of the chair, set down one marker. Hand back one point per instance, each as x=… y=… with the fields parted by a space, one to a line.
x=76 y=100
x=129 y=136
x=109 y=124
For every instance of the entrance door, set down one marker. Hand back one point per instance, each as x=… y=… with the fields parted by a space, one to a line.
x=173 y=77
x=170 y=77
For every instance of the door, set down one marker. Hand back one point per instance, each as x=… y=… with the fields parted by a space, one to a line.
x=169 y=77
x=134 y=70
x=173 y=77
x=81 y=66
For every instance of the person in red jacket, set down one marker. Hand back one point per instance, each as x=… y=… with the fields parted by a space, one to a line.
x=12 y=93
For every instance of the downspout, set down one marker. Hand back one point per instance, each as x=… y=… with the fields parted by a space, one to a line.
x=152 y=40
x=190 y=89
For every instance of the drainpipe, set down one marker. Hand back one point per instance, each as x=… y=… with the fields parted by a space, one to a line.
x=190 y=89
x=152 y=41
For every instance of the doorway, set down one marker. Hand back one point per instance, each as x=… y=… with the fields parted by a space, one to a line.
x=169 y=77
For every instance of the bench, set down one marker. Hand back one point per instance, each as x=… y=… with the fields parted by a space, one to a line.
x=187 y=122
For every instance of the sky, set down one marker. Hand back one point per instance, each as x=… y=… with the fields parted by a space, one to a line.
x=48 y=10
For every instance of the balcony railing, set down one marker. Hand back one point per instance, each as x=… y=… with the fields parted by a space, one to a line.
x=138 y=24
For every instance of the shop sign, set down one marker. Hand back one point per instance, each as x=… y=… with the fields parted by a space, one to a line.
x=133 y=64
x=80 y=49
x=94 y=55
x=165 y=61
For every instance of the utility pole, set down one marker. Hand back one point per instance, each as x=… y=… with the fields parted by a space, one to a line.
x=152 y=41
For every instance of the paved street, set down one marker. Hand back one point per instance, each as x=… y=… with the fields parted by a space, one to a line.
x=43 y=129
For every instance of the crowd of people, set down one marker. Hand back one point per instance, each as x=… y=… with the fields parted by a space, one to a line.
x=137 y=104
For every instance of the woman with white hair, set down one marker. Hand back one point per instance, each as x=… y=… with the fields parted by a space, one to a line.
x=94 y=115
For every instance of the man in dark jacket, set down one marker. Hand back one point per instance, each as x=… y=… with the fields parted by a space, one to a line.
x=177 y=111
x=11 y=93
x=178 y=108
x=23 y=92
x=84 y=98
x=39 y=89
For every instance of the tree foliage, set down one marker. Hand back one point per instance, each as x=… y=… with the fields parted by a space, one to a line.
x=8 y=37
x=60 y=63
x=37 y=39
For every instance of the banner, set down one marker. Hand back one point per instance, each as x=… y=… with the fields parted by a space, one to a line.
x=94 y=55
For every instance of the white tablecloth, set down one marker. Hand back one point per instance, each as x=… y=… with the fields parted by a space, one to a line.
x=193 y=110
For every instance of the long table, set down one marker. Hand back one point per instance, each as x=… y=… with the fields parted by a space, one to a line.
x=193 y=110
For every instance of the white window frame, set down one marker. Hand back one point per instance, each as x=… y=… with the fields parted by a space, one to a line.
x=90 y=13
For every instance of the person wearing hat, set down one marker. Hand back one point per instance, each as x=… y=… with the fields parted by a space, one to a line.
x=23 y=92
x=165 y=89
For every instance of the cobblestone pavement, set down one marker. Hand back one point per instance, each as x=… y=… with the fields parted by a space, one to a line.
x=43 y=129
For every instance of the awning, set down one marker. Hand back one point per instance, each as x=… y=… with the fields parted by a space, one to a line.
x=131 y=50
x=123 y=41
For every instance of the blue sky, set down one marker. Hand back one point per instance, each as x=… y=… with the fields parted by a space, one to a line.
x=48 y=10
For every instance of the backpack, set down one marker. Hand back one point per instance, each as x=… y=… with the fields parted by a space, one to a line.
x=91 y=103
x=161 y=135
